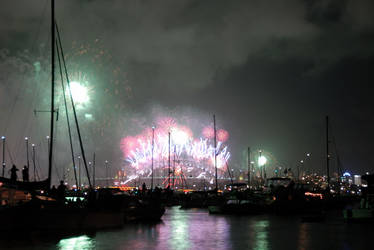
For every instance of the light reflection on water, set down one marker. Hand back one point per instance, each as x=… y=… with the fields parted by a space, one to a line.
x=196 y=229
x=303 y=236
x=81 y=242
x=178 y=231
x=261 y=239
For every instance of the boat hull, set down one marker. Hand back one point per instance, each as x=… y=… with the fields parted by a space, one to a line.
x=59 y=219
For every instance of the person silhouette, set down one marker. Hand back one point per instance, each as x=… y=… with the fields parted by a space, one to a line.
x=61 y=191
x=25 y=173
x=13 y=173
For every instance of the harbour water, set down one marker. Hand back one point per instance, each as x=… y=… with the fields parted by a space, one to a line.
x=196 y=229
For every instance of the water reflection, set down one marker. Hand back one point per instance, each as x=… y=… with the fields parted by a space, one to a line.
x=179 y=231
x=192 y=229
x=303 y=236
x=261 y=235
x=75 y=243
x=196 y=229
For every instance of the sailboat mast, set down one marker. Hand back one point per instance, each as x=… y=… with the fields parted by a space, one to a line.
x=174 y=165
x=153 y=146
x=327 y=152
x=249 y=167
x=169 y=163
x=215 y=149
x=94 y=170
x=52 y=91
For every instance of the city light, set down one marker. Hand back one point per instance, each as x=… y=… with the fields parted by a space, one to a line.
x=346 y=174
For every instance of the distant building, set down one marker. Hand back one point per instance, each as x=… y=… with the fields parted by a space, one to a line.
x=357 y=180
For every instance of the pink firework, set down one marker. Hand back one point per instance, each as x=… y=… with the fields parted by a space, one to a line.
x=127 y=144
x=159 y=132
x=208 y=132
x=166 y=123
x=147 y=133
x=222 y=135
x=186 y=130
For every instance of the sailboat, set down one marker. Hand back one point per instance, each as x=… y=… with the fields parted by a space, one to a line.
x=98 y=211
x=44 y=185
x=25 y=185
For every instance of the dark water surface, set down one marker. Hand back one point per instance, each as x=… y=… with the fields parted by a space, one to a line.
x=196 y=229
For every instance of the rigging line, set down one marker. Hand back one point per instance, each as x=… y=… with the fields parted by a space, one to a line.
x=37 y=164
x=11 y=111
x=73 y=106
x=67 y=114
x=39 y=26
x=54 y=165
x=28 y=115
x=34 y=164
x=228 y=170
x=37 y=173
x=10 y=155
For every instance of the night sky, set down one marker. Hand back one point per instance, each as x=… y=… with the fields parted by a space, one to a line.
x=269 y=70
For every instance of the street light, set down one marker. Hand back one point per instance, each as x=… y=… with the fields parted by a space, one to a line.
x=298 y=169
x=307 y=161
x=27 y=151
x=48 y=143
x=33 y=160
x=3 y=139
x=90 y=166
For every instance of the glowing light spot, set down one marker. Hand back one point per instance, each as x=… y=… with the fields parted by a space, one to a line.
x=88 y=116
x=81 y=242
x=179 y=137
x=262 y=160
x=346 y=174
x=79 y=93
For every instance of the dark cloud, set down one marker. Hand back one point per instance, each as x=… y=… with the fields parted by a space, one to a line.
x=269 y=70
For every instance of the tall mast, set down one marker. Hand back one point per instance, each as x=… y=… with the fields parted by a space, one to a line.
x=33 y=160
x=3 y=139
x=52 y=91
x=169 y=163
x=215 y=149
x=249 y=167
x=174 y=165
x=94 y=170
x=153 y=145
x=327 y=153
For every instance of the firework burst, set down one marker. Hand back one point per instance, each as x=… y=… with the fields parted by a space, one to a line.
x=190 y=156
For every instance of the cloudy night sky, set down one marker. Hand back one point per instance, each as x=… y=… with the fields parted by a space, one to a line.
x=269 y=70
